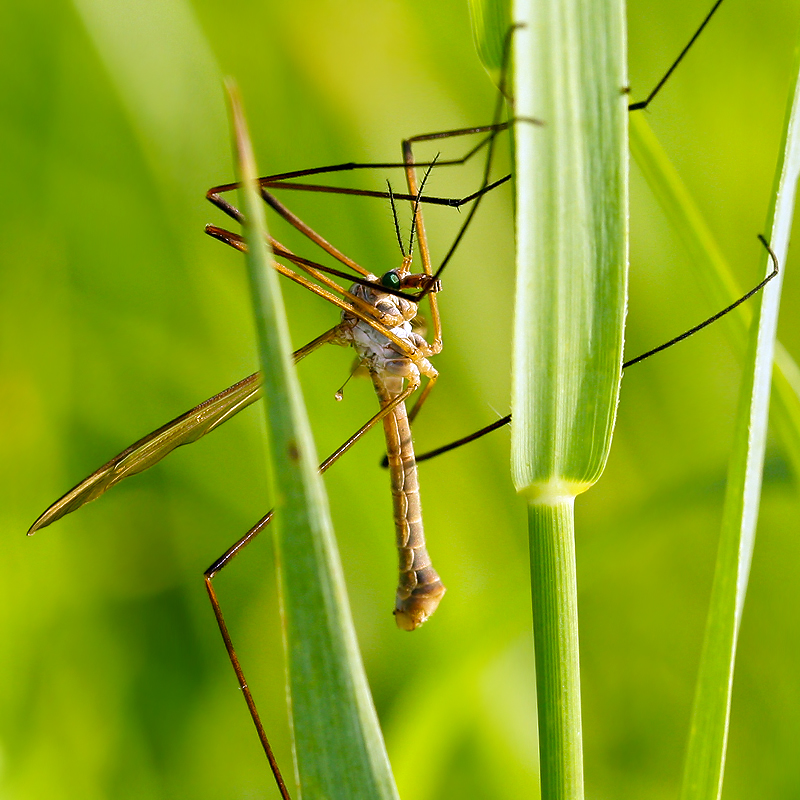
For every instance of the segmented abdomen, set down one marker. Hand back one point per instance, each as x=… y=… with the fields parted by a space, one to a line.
x=419 y=589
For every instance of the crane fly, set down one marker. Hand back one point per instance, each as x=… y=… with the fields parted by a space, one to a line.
x=376 y=320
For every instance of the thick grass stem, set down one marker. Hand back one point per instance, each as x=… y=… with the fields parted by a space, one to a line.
x=555 y=629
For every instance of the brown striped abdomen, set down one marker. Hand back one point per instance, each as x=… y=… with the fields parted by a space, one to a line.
x=419 y=589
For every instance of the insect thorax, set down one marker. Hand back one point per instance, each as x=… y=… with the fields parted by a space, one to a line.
x=377 y=352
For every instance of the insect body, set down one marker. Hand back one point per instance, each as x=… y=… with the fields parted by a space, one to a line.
x=420 y=589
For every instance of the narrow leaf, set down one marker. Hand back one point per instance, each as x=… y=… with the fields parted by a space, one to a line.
x=491 y=21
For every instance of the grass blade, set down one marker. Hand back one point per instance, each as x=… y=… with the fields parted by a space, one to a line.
x=491 y=20
x=572 y=243
x=705 y=761
x=338 y=745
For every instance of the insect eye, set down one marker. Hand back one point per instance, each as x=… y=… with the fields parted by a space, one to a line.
x=391 y=280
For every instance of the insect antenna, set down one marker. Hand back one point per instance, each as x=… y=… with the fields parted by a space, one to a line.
x=396 y=220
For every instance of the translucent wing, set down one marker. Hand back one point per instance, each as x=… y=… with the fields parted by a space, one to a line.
x=149 y=450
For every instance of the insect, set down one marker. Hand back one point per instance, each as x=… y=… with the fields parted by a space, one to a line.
x=377 y=313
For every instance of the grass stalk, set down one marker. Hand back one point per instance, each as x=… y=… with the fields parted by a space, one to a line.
x=555 y=632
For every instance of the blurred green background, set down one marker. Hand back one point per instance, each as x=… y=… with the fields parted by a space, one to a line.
x=118 y=314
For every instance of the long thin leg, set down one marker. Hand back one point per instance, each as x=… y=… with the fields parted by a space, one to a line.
x=282 y=180
x=214 y=195
x=235 y=549
x=321 y=242
x=428 y=199
x=642 y=104
x=237 y=668
x=279 y=181
x=276 y=180
x=489 y=155
x=423 y=396
x=507 y=419
x=237 y=242
x=498 y=423
x=716 y=316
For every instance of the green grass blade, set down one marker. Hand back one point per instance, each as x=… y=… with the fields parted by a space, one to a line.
x=571 y=243
x=490 y=20
x=716 y=276
x=705 y=759
x=338 y=745
x=572 y=258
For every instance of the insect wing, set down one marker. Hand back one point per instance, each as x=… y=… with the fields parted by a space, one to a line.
x=150 y=449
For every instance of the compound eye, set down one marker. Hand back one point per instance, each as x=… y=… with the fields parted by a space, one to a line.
x=391 y=280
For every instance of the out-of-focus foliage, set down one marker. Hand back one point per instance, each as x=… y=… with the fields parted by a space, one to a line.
x=117 y=314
